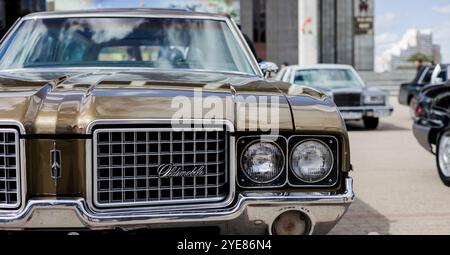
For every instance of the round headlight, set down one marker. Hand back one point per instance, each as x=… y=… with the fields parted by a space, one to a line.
x=262 y=162
x=312 y=161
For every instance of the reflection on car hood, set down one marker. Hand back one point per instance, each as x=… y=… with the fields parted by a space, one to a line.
x=66 y=102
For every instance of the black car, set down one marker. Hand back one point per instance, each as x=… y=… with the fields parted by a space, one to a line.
x=427 y=75
x=432 y=125
x=409 y=91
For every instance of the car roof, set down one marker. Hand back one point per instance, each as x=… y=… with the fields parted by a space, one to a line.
x=125 y=12
x=320 y=66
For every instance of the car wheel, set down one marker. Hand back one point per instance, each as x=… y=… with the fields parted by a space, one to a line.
x=371 y=123
x=412 y=108
x=443 y=157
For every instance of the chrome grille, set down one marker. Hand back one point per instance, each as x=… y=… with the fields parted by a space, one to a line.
x=347 y=99
x=9 y=169
x=126 y=163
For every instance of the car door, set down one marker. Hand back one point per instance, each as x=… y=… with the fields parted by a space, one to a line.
x=406 y=89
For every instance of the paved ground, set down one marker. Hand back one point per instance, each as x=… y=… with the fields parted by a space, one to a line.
x=396 y=182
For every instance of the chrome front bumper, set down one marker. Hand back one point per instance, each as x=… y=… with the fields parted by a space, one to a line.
x=252 y=213
x=367 y=111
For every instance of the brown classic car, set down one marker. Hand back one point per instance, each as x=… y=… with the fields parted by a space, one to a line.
x=127 y=119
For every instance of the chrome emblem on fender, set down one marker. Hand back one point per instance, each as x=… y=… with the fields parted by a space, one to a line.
x=55 y=156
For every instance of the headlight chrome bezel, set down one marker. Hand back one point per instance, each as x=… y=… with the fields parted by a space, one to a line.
x=243 y=180
x=332 y=178
x=287 y=179
x=294 y=148
x=266 y=142
x=381 y=99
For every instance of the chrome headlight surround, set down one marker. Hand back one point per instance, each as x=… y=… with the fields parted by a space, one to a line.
x=331 y=178
x=243 y=179
x=375 y=99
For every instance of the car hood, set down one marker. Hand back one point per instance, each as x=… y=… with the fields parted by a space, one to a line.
x=66 y=103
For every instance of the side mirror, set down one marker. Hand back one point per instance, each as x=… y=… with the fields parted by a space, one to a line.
x=268 y=68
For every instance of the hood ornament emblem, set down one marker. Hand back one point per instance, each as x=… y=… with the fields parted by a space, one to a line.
x=55 y=158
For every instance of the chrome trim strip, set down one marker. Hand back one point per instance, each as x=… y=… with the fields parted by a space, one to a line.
x=90 y=164
x=366 y=108
x=21 y=161
x=83 y=216
x=10 y=31
x=125 y=69
x=437 y=112
x=18 y=170
x=245 y=46
x=128 y=14
x=338 y=171
x=148 y=203
x=19 y=125
x=205 y=122
x=21 y=172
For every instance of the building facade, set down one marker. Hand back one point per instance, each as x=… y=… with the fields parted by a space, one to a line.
x=11 y=10
x=399 y=56
x=312 y=31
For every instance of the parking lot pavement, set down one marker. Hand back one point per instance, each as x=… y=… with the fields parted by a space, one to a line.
x=396 y=182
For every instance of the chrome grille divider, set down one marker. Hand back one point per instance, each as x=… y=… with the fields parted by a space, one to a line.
x=10 y=169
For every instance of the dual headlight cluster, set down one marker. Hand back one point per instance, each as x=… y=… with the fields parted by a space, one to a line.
x=298 y=161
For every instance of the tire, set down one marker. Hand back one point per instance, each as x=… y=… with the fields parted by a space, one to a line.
x=412 y=108
x=443 y=157
x=371 y=123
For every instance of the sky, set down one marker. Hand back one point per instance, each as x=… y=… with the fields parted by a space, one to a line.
x=394 y=17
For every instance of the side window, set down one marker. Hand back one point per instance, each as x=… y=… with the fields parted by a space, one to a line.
x=43 y=51
x=299 y=78
x=73 y=49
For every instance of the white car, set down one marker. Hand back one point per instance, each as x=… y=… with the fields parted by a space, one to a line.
x=342 y=83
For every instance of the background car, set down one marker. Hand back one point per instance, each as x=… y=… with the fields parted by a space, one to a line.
x=342 y=83
x=409 y=92
x=432 y=127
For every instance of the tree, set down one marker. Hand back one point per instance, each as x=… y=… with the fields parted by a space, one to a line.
x=419 y=56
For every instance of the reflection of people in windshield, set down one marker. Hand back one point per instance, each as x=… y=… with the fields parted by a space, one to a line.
x=130 y=55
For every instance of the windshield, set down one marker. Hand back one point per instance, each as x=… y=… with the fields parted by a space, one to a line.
x=167 y=43
x=327 y=78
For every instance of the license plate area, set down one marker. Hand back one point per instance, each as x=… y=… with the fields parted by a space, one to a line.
x=352 y=115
